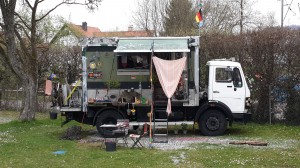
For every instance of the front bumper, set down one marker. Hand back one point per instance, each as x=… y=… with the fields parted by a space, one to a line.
x=244 y=117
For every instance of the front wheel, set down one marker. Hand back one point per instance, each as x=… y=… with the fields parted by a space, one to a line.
x=212 y=123
x=107 y=117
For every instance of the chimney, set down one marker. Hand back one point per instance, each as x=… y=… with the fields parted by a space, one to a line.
x=84 y=26
x=130 y=28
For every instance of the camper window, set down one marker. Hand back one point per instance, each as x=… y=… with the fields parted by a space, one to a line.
x=134 y=62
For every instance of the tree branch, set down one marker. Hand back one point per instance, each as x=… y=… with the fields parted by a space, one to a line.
x=90 y=2
x=22 y=20
x=22 y=44
x=29 y=5
x=45 y=15
x=22 y=28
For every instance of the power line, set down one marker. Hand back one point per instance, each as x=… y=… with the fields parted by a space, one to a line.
x=289 y=9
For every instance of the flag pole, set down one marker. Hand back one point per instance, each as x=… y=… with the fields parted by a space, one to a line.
x=199 y=29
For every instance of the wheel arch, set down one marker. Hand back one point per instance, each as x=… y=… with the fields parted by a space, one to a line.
x=99 y=112
x=217 y=105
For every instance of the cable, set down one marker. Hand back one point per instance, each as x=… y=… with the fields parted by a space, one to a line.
x=289 y=9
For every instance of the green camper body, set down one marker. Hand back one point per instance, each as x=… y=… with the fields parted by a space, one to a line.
x=119 y=83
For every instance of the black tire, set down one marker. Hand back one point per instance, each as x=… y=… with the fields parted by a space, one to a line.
x=107 y=117
x=212 y=123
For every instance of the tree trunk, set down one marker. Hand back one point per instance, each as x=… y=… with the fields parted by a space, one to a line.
x=30 y=98
x=1 y=97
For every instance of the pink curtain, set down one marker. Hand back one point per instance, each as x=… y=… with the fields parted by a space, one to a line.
x=169 y=73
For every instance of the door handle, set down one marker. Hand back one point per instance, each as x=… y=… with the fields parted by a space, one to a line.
x=216 y=92
x=229 y=86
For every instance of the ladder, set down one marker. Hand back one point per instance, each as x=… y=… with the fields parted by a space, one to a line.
x=160 y=126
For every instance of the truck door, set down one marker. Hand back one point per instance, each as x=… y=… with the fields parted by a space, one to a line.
x=228 y=87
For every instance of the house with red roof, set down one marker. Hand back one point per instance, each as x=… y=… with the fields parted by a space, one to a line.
x=71 y=33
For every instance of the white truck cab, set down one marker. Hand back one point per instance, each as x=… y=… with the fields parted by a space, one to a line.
x=227 y=84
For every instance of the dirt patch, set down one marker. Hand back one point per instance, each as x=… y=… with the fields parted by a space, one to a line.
x=4 y=120
x=72 y=133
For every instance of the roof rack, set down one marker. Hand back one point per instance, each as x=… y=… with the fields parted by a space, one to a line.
x=225 y=59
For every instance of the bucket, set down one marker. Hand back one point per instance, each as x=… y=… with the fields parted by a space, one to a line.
x=110 y=146
x=53 y=116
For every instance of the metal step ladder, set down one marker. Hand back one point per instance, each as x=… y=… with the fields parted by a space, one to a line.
x=160 y=126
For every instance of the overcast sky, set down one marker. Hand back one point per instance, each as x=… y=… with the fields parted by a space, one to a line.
x=117 y=14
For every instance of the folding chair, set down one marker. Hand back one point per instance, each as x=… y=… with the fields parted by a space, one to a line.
x=122 y=131
x=136 y=137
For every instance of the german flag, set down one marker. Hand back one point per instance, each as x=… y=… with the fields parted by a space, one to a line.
x=199 y=16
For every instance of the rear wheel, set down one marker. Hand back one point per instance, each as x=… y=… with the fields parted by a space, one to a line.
x=107 y=117
x=213 y=123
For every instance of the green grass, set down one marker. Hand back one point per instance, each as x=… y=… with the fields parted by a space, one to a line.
x=31 y=144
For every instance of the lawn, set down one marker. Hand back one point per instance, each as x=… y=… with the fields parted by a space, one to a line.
x=24 y=144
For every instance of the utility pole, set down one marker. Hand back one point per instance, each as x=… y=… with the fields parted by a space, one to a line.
x=242 y=17
x=281 y=13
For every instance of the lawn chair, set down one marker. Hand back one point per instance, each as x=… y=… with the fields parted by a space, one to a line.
x=122 y=130
x=136 y=137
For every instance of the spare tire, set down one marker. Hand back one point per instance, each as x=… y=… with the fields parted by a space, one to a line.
x=107 y=117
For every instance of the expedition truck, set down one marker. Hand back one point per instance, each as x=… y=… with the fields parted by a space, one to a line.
x=119 y=81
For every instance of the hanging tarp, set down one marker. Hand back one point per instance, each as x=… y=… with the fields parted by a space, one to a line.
x=132 y=45
x=48 y=88
x=169 y=73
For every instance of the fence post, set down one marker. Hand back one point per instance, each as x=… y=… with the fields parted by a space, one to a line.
x=17 y=97
x=270 y=103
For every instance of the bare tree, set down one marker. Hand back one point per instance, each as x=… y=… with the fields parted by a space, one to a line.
x=21 y=41
x=219 y=16
x=229 y=16
x=150 y=14
x=265 y=21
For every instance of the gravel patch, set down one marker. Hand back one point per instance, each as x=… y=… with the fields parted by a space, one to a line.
x=190 y=142
x=5 y=120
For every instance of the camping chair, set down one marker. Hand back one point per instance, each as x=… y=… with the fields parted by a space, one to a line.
x=136 y=137
x=122 y=130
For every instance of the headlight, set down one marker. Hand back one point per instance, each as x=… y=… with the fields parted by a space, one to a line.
x=248 y=102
